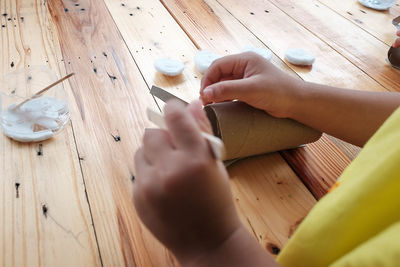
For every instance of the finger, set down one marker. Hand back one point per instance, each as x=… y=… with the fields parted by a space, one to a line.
x=182 y=127
x=231 y=67
x=157 y=145
x=196 y=109
x=396 y=43
x=226 y=91
x=142 y=166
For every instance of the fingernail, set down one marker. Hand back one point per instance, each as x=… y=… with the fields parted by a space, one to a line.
x=208 y=93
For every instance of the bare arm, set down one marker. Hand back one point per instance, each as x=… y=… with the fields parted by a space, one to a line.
x=351 y=115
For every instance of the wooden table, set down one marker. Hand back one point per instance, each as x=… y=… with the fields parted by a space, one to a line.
x=67 y=201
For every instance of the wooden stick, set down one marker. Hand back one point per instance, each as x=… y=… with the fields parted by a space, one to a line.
x=44 y=90
x=216 y=144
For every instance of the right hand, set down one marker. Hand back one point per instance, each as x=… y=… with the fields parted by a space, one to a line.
x=250 y=78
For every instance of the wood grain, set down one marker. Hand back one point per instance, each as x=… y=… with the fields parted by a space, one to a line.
x=377 y=23
x=289 y=210
x=45 y=216
x=109 y=98
x=355 y=44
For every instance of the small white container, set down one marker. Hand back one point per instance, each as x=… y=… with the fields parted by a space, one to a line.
x=378 y=4
x=39 y=118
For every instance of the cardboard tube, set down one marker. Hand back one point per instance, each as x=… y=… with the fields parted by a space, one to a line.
x=247 y=131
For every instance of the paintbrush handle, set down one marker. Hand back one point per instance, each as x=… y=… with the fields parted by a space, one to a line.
x=44 y=90
x=216 y=144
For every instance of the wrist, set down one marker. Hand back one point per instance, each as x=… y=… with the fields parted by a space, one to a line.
x=298 y=96
x=239 y=249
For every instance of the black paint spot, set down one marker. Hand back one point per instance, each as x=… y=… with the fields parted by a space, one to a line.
x=45 y=209
x=95 y=70
x=17 y=190
x=113 y=78
x=117 y=138
x=138 y=8
x=349 y=13
x=104 y=54
x=122 y=4
x=76 y=4
x=40 y=150
x=132 y=177
x=4 y=14
x=130 y=14
x=66 y=9
x=12 y=64
x=29 y=77
x=22 y=19
x=9 y=19
x=13 y=91
x=266 y=11
x=273 y=248
x=3 y=26
x=363 y=11
x=82 y=9
x=251 y=13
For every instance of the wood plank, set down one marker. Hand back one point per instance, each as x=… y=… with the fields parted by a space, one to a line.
x=330 y=67
x=246 y=183
x=233 y=37
x=318 y=172
x=45 y=216
x=108 y=98
x=377 y=23
x=358 y=46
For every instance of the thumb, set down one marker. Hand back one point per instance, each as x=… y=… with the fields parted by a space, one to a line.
x=225 y=91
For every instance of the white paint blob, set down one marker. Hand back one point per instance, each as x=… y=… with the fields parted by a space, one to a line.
x=203 y=60
x=298 y=56
x=36 y=120
x=265 y=53
x=168 y=66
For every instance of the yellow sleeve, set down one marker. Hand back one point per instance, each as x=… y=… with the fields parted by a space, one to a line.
x=381 y=250
x=364 y=204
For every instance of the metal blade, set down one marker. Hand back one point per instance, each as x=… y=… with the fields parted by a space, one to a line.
x=164 y=95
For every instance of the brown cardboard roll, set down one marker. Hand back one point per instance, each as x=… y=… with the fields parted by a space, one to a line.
x=247 y=131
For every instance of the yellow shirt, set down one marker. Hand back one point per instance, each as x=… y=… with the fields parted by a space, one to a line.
x=358 y=222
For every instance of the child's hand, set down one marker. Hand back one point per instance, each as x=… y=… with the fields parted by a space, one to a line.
x=250 y=78
x=397 y=41
x=181 y=193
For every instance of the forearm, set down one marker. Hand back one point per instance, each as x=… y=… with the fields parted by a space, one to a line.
x=351 y=115
x=240 y=249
